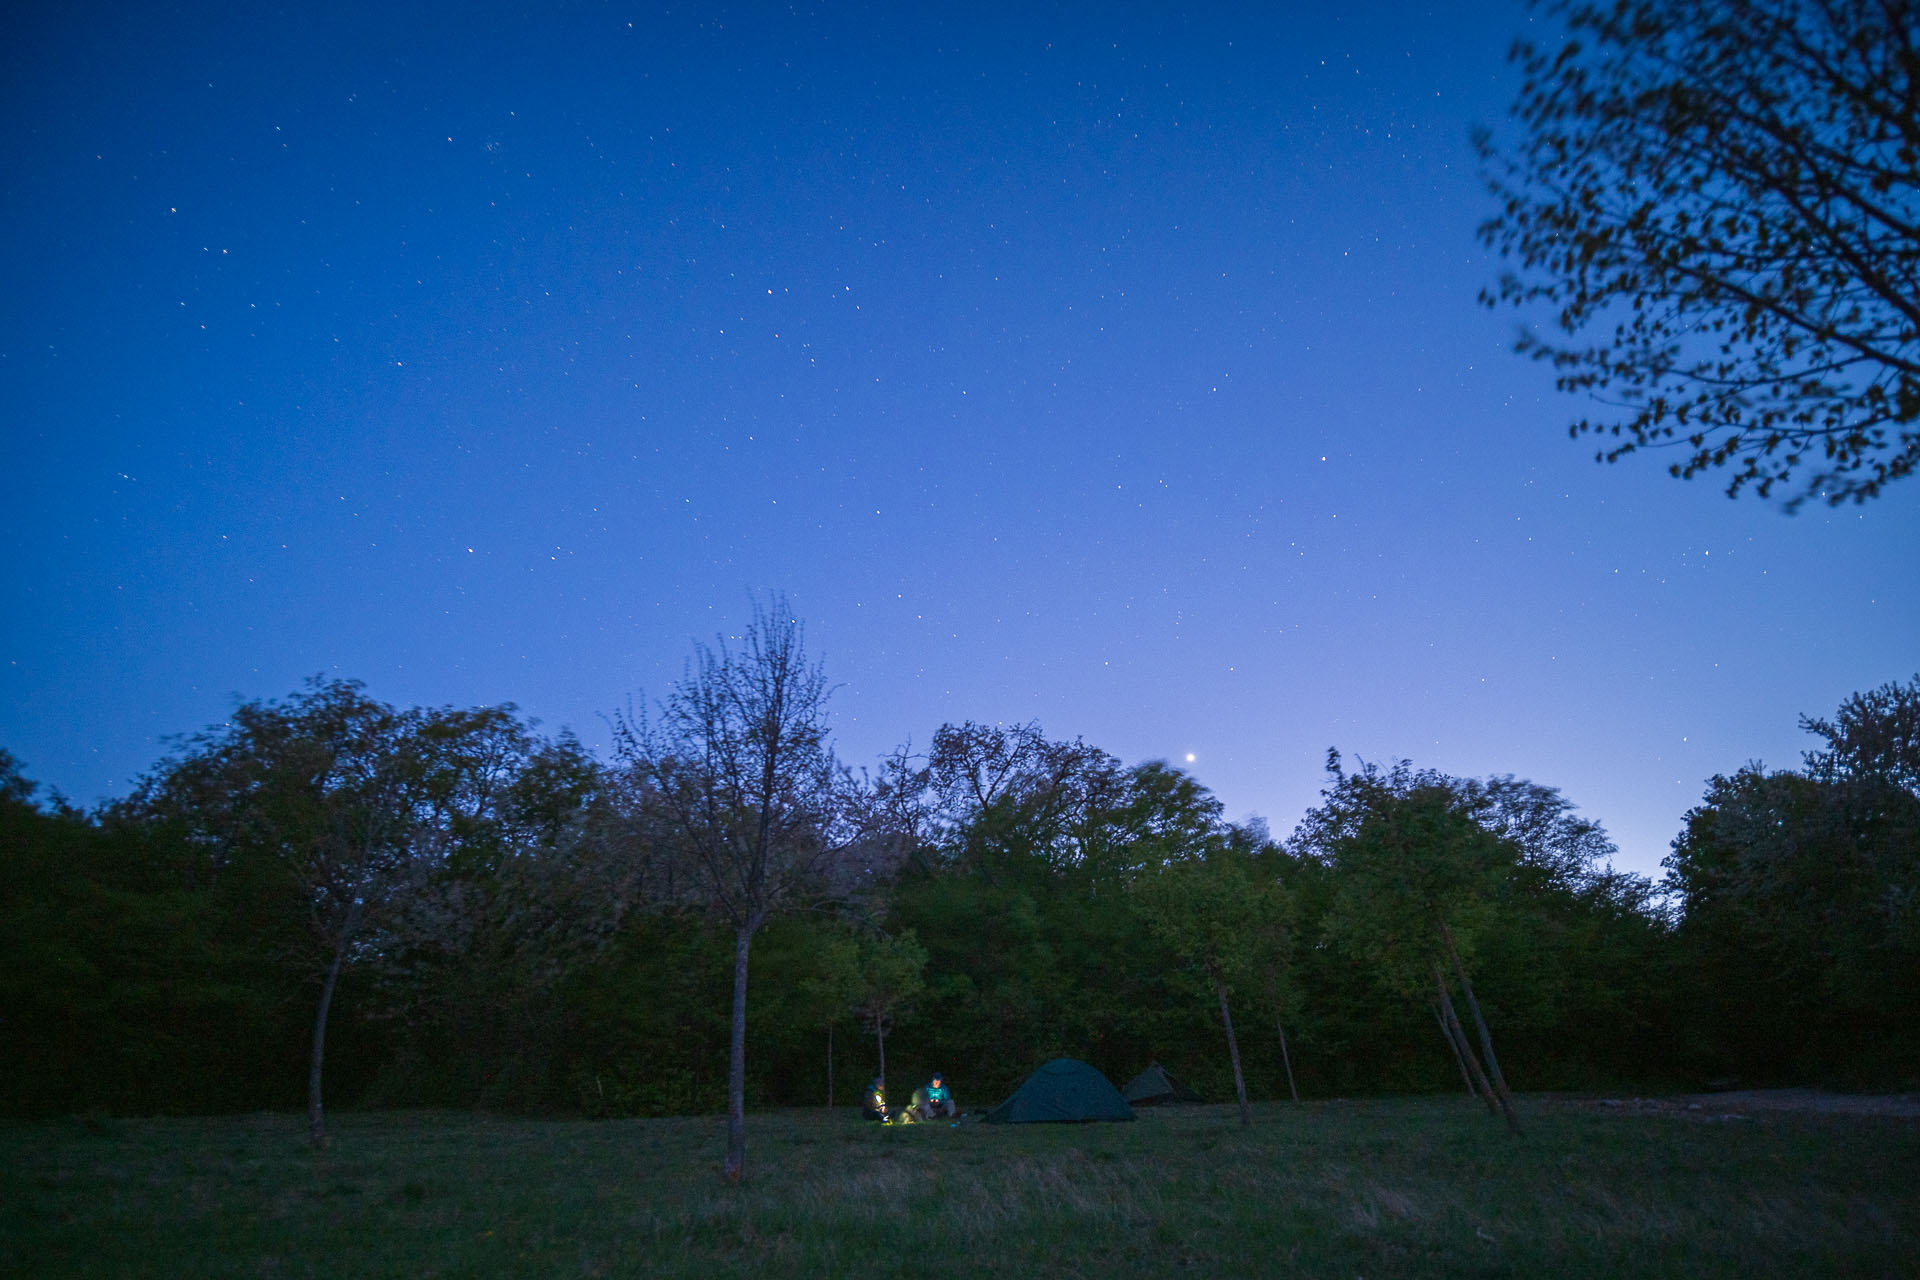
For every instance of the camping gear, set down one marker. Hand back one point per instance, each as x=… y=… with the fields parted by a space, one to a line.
x=1064 y=1090
x=930 y=1102
x=1155 y=1088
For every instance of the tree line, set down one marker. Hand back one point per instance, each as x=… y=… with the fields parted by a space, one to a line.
x=325 y=897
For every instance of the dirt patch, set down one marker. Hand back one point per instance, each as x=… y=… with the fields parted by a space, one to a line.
x=1742 y=1103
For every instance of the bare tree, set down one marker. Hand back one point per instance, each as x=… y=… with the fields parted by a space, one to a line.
x=735 y=764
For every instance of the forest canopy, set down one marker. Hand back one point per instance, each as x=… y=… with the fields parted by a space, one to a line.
x=475 y=914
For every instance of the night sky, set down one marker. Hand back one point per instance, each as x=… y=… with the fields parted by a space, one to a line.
x=1117 y=367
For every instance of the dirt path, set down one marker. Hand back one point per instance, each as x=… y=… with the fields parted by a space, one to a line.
x=1745 y=1102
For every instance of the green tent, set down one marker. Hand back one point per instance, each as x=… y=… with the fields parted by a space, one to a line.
x=1154 y=1087
x=1066 y=1089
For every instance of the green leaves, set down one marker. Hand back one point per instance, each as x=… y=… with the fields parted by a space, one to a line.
x=1210 y=907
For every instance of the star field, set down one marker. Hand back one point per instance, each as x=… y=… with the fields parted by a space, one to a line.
x=1110 y=367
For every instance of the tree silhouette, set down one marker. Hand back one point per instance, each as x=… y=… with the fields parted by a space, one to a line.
x=1719 y=201
x=736 y=766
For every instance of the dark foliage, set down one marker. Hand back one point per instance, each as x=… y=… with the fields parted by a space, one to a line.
x=1719 y=203
x=544 y=958
x=1800 y=907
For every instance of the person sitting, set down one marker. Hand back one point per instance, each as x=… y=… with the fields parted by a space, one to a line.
x=938 y=1100
x=874 y=1107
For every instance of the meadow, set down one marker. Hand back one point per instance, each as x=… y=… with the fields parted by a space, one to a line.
x=1377 y=1188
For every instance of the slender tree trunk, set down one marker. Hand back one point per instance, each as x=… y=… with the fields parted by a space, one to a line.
x=1286 y=1060
x=1480 y=1025
x=829 y=1066
x=1454 y=1045
x=1279 y=1025
x=737 y=1061
x=1457 y=1037
x=316 y=1114
x=880 y=1035
x=1233 y=1051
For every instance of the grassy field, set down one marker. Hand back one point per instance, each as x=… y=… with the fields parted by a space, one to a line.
x=1406 y=1187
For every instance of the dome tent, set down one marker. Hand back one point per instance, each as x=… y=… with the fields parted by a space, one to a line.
x=1154 y=1087
x=1062 y=1091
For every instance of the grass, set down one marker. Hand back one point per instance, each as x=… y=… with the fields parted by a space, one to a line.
x=1405 y=1187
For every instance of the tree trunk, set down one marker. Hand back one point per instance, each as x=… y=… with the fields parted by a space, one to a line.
x=1457 y=1037
x=1286 y=1060
x=1480 y=1025
x=737 y=1061
x=880 y=1036
x=1454 y=1045
x=829 y=1066
x=316 y=1114
x=1233 y=1051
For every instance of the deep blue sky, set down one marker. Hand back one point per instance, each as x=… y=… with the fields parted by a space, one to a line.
x=1112 y=366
